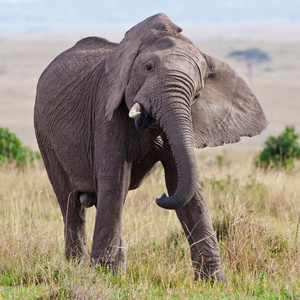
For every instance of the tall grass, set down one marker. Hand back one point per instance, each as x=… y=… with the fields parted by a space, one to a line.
x=256 y=215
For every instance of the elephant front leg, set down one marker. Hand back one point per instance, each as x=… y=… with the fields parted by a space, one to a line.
x=108 y=247
x=197 y=225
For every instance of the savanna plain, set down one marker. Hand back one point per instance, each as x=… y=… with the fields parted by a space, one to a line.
x=255 y=212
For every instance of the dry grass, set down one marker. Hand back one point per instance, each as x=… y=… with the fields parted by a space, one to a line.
x=255 y=213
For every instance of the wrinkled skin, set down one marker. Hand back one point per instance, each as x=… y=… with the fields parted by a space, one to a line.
x=94 y=152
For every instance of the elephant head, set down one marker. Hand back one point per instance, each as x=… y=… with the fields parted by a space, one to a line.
x=197 y=100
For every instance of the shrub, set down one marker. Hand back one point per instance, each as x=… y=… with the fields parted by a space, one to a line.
x=280 y=151
x=12 y=150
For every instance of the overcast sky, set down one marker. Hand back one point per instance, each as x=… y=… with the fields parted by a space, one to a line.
x=40 y=15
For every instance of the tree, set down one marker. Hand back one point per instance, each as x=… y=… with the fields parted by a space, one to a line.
x=251 y=57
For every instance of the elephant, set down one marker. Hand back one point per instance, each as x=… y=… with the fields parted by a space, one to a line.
x=106 y=114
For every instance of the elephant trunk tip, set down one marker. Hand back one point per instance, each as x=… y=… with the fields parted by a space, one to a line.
x=170 y=203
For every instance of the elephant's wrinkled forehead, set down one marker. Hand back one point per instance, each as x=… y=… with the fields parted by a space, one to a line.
x=175 y=60
x=174 y=51
x=179 y=61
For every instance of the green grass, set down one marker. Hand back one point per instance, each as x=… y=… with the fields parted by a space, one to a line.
x=255 y=214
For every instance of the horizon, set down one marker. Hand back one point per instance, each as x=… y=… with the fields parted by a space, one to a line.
x=35 y=16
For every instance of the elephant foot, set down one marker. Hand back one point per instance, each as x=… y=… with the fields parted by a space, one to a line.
x=114 y=266
x=76 y=250
x=213 y=274
x=110 y=265
x=114 y=259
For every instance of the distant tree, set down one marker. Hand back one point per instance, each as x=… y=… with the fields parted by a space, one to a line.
x=251 y=56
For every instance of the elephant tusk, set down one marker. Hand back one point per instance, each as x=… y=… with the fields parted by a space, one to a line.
x=135 y=110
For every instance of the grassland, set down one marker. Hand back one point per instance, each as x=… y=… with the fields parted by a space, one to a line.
x=255 y=214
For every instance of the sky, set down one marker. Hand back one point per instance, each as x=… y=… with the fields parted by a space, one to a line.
x=17 y=16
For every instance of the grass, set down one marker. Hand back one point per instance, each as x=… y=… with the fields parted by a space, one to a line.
x=255 y=214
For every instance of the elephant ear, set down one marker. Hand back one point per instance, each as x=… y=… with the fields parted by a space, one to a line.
x=227 y=108
x=119 y=62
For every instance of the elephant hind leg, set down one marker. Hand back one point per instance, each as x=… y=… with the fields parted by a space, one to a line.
x=72 y=211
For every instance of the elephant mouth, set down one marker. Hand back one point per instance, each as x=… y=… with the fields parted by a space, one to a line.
x=144 y=120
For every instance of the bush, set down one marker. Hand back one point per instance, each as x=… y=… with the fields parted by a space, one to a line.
x=280 y=151
x=12 y=150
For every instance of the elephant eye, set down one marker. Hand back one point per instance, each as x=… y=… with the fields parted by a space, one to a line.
x=149 y=67
x=196 y=97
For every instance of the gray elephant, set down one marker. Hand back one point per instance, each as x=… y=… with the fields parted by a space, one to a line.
x=107 y=113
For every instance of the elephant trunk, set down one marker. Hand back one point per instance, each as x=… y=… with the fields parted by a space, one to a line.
x=177 y=125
